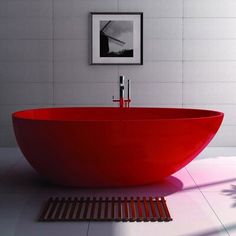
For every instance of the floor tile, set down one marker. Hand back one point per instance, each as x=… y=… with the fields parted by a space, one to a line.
x=191 y=216
x=21 y=178
x=11 y=206
x=28 y=224
x=202 y=194
x=212 y=177
x=224 y=205
x=8 y=158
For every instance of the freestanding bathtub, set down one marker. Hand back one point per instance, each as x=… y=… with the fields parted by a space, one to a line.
x=112 y=146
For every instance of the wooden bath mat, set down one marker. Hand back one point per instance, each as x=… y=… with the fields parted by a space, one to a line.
x=105 y=209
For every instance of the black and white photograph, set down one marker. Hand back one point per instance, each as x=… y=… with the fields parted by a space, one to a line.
x=116 y=38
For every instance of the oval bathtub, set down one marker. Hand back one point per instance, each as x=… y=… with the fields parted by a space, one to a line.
x=112 y=146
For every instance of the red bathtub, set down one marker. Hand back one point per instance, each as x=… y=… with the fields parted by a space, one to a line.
x=112 y=146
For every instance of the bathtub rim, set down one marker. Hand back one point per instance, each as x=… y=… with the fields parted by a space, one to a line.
x=17 y=114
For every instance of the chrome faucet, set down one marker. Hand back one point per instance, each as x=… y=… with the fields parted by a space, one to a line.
x=123 y=102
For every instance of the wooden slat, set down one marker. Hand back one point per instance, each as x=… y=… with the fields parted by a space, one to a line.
x=58 y=209
x=154 y=214
x=67 y=204
x=106 y=209
x=78 y=213
x=73 y=209
x=63 y=206
x=51 y=215
x=140 y=211
x=86 y=208
x=44 y=213
x=92 y=209
x=126 y=213
x=132 y=215
x=167 y=213
x=70 y=208
x=161 y=213
x=119 y=209
x=113 y=208
x=99 y=209
x=147 y=215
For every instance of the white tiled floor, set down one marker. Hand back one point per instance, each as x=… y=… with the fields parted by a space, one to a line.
x=201 y=199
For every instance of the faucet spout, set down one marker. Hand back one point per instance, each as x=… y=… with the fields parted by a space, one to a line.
x=122 y=90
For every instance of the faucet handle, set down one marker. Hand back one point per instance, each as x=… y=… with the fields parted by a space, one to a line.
x=115 y=100
x=122 y=80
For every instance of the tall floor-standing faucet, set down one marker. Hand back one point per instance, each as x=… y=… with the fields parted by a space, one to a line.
x=123 y=102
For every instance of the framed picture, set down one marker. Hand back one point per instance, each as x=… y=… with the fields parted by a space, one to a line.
x=116 y=38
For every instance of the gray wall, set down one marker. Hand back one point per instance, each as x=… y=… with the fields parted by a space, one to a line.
x=189 y=58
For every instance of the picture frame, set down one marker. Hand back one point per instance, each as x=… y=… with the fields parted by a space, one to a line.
x=116 y=38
